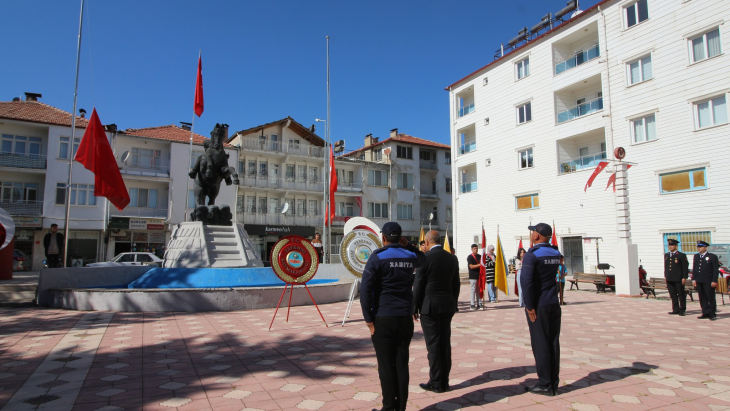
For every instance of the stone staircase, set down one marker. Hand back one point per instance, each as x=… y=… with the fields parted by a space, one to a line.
x=223 y=249
x=20 y=289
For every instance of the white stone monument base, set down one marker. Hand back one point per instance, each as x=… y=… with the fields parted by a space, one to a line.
x=627 y=269
x=194 y=245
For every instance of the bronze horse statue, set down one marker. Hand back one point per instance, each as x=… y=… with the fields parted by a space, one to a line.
x=212 y=167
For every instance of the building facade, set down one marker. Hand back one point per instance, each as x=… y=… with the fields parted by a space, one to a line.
x=531 y=127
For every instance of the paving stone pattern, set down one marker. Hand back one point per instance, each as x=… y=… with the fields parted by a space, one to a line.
x=617 y=354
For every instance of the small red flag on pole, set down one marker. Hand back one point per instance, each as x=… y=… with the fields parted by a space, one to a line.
x=333 y=187
x=96 y=155
x=554 y=240
x=199 y=106
x=593 y=176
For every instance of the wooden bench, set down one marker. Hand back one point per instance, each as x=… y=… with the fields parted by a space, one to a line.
x=661 y=284
x=599 y=280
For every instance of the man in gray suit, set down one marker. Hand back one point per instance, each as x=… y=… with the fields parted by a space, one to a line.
x=435 y=296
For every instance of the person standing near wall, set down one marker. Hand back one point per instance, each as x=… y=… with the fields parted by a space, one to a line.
x=489 y=269
x=53 y=245
x=676 y=271
x=472 y=262
x=317 y=244
x=705 y=270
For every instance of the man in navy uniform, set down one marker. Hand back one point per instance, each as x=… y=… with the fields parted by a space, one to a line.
x=542 y=308
x=386 y=298
x=675 y=273
x=705 y=270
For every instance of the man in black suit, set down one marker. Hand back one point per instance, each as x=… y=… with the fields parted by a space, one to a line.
x=435 y=296
x=675 y=273
x=705 y=270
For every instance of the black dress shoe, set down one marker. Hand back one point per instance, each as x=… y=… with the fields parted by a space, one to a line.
x=673 y=313
x=681 y=313
x=713 y=318
x=429 y=387
x=702 y=317
x=536 y=389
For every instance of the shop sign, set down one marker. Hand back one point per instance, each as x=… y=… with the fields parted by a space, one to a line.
x=137 y=224
x=23 y=235
x=140 y=237
x=282 y=230
x=27 y=222
x=157 y=238
x=155 y=227
x=119 y=223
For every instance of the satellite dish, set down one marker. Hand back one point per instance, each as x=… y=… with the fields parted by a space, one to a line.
x=387 y=151
x=430 y=217
x=285 y=208
x=125 y=157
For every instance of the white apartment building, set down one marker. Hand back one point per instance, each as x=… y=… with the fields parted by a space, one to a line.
x=650 y=76
x=405 y=179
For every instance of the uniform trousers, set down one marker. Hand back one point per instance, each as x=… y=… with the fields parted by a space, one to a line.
x=679 y=299
x=545 y=340
x=437 y=333
x=707 y=299
x=391 y=341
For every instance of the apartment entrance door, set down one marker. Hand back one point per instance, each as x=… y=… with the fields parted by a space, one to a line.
x=573 y=253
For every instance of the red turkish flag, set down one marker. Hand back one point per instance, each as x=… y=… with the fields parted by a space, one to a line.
x=333 y=187
x=482 y=280
x=554 y=240
x=96 y=155
x=598 y=169
x=612 y=180
x=199 y=106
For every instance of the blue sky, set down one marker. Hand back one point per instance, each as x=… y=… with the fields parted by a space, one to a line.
x=262 y=60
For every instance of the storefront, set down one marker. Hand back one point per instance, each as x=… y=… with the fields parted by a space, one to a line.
x=136 y=234
x=26 y=229
x=264 y=237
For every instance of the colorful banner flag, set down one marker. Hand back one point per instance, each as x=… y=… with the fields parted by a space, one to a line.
x=421 y=237
x=447 y=247
x=500 y=269
x=96 y=155
x=598 y=169
x=198 y=107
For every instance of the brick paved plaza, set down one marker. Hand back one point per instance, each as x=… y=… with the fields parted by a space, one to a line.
x=617 y=354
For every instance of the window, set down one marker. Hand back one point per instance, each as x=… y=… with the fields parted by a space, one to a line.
x=449 y=214
x=81 y=194
x=289 y=170
x=448 y=184
x=643 y=129
x=63 y=146
x=405 y=212
x=145 y=158
x=640 y=70
x=688 y=240
x=291 y=210
x=301 y=173
x=313 y=175
x=293 y=144
x=378 y=155
x=711 y=112
x=636 y=13
x=15 y=192
x=705 y=46
x=345 y=177
x=525 y=157
x=523 y=68
x=687 y=180
x=345 y=209
x=252 y=168
x=313 y=210
x=263 y=205
x=447 y=157
x=524 y=113
x=251 y=204
x=404 y=152
x=240 y=167
x=378 y=210
x=30 y=146
x=528 y=202
x=263 y=169
x=405 y=180
x=141 y=197
x=378 y=178
x=426 y=155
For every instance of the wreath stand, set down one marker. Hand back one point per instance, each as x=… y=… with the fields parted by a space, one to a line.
x=350 y=301
x=291 y=290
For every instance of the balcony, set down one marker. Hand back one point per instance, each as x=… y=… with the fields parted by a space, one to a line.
x=281 y=183
x=467 y=148
x=340 y=220
x=255 y=143
x=154 y=171
x=31 y=161
x=581 y=152
x=141 y=212
x=279 y=219
x=468 y=187
x=467 y=139
x=466 y=110
x=23 y=208
x=581 y=110
x=429 y=193
x=349 y=186
x=428 y=165
x=582 y=163
x=577 y=58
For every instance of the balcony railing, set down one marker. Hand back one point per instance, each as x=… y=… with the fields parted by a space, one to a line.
x=429 y=193
x=582 y=163
x=281 y=183
x=428 y=165
x=153 y=171
x=578 y=58
x=466 y=110
x=34 y=161
x=279 y=219
x=469 y=147
x=23 y=207
x=280 y=147
x=580 y=110
x=349 y=186
x=139 y=212
x=468 y=187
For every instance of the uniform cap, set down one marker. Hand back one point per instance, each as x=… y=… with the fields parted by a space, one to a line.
x=391 y=229
x=672 y=241
x=542 y=229
x=702 y=244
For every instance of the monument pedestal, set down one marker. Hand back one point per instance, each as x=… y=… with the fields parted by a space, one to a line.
x=196 y=245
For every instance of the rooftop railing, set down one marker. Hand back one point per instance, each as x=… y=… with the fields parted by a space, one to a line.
x=580 y=110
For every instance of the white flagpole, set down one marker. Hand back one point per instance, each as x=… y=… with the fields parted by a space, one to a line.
x=71 y=153
x=332 y=166
x=190 y=156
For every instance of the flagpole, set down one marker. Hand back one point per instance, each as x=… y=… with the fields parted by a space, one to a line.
x=327 y=133
x=73 y=134
x=190 y=156
x=496 y=290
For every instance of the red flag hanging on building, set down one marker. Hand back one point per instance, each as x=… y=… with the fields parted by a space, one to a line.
x=482 y=282
x=96 y=155
x=333 y=187
x=358 y=201
x=612 y=179
x=554 y=240
x=199 y=106
x=598 y=169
